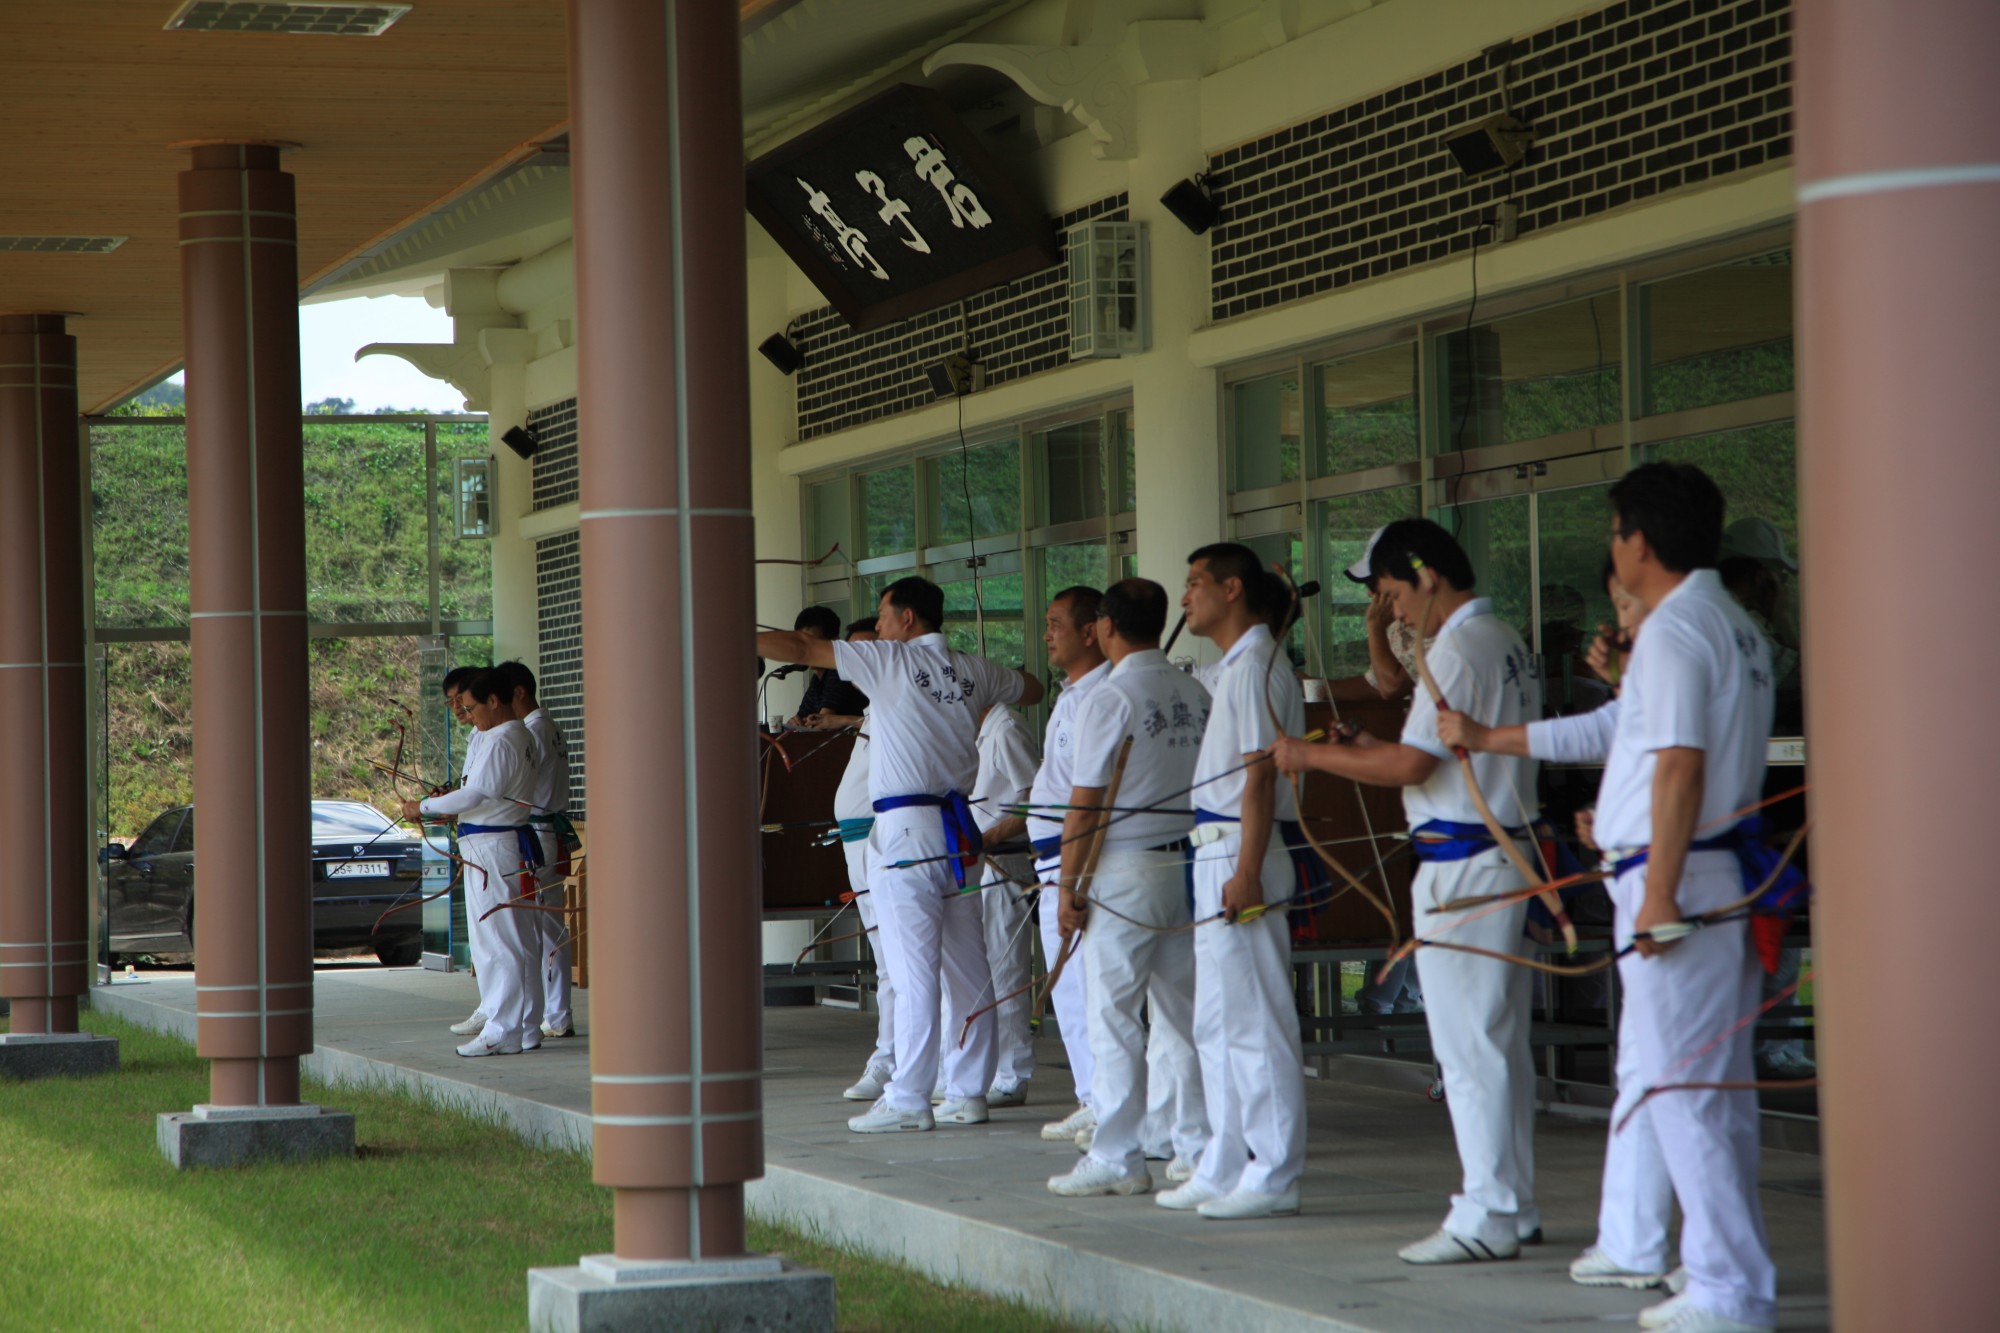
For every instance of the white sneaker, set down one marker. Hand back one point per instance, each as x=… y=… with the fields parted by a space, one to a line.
x=1093 y=1177
x=1085 y=1137
x=869 y=1087
x=1595 y=1268
x=938 y=1095
x=569 y=1031
x=964 y=1111
x=1065 y=1129
x=1659 y=1316
x=476 y=1047
x=1677 y=1281
x=470 y=1025
x=531 y=1043
x=1188 y=1197
x=1014 y=1096
x=1249 y=1203
x=1444 y=1247
x=882 y=1118
x=1694 y=1319
x=1181 y=1170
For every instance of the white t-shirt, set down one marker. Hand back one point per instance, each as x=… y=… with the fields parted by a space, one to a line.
x=850 y=799
x=1239 y=723
x=924 y=702
x=1699 y=678
x=1007 y=765
x=1581 y=738
x=1482 y=669
x=551 y=756
x=1165 y=712
x=501 y=772
x=1053 y=780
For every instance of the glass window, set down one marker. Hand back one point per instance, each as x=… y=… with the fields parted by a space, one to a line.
x=1494 y=534
x=1541 y=373
x=888 y=512
x=1367 y=410
x=1718 y=336
x=999 y=608
x=983 y=483
x=158 y=838
x=1073 y=471
x=1125 y=462
x=1570 y=527
x=184 y=837
x=1082 y=563
x=1344 y=525
x=1288 y=550
x=1267 y=419
x=826 y=519
x=465 y=568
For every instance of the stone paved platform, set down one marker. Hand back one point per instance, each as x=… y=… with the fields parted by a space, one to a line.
x=969 y=1204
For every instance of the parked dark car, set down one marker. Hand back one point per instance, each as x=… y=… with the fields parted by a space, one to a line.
x=362 y=863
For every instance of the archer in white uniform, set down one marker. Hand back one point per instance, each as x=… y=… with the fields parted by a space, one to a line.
x=491 y=808
x=1478 y=1008
x=1070 y=634
x=1007 y=763
x=1137 y=947
x=1245 y=1027
x=456 y=702
x=856 y=821
x=925 y=699
x=549 y=798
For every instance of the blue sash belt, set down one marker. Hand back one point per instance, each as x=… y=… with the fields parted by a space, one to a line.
x=1754 y=862
x=1447 y=840
x=525 y=840
x=961 y=831
x=1047 y=847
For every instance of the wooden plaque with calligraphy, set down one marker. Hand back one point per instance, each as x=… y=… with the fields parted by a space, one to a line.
x=894 y=208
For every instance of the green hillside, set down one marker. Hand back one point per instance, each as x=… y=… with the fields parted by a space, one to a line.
x=366 y=563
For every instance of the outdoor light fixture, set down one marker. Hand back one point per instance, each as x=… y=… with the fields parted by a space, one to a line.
x=1107 y=290
x=955 y=376
x=62 y=245
x=782 y=352
x=1493 y=145
x=316 y=17
x=521 y=440
x=472 y=497
x=1191 y=203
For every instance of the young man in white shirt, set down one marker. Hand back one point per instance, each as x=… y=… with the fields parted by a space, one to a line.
x=458 y=704
x=1478 y=1008
x=493 y=841
x=1135 y=949
x=855 y=819
x=550 y=799
x=1245 y=1026
x=924 y=705
x=1070 y=634
x=1684 y=749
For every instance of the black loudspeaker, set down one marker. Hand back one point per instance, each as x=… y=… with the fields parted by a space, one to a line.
x=521 y=440
x=1491 y=146
x=780 y=352
x=1189 y=202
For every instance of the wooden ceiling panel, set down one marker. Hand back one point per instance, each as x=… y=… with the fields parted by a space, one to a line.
x=389 y=127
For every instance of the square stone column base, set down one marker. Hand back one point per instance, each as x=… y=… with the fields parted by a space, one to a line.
x=237 y=1135
x=56 y=1054
x=605 y=1294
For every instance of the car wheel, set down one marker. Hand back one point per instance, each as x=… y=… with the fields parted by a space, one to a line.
x=402 y=953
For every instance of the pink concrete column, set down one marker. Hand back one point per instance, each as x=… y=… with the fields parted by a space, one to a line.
x=1899 y=207
x=44 y=786
x=253 y=920
x=663 y=424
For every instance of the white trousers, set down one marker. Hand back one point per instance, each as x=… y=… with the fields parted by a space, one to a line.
x=859 y=855
x=934 y=935
x=1704 y=1143
x=1247 y=1031
x=1477 y=1009
x=1070 y=1000
x=505 y=945
x=1004 y=910
x=552 y=934
x=1127 y=967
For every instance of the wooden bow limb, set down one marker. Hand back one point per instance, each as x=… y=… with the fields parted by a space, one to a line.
x=1505 y=840
x=1749 y=899
x=1512 y=896
x=1520 y=960
x=837 y=939
x=1728 y=1086
x=831 y=551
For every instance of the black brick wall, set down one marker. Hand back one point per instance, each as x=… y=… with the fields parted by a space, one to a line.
x=559 y=632
x=554 y=462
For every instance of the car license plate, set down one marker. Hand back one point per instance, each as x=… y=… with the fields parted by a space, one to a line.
x=357 y=870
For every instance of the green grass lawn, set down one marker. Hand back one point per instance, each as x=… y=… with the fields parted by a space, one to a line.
x=432 y=1226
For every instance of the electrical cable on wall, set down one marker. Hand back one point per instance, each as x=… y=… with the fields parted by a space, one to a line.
x=965 y=483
